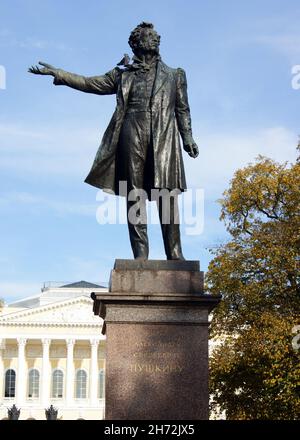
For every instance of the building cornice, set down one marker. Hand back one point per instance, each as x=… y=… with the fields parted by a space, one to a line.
x=13 y=318
x=49 y=324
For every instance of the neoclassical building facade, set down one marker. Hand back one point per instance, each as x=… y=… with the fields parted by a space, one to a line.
x=52 y=352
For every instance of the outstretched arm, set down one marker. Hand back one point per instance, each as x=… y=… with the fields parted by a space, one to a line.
x=182 y=111
x=100 y=85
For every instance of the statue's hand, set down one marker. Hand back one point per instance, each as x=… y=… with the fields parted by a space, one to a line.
x=191 y=149
x=46 y=70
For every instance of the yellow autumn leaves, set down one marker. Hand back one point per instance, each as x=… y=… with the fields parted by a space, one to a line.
x=255 y=371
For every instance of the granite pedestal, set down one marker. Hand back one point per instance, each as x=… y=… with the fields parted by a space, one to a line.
x=156 y=324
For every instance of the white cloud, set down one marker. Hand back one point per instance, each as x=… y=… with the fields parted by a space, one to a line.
x=17 y=131
x=9 y=39
x=221 y=155
x=75 y=269
x=42 y=44
x=11 y=291
x=48 y=150
x=85 y=269
x=59 y=207
x=47 y=139
x=279 y=32
x=286 y=44
x=70 y=152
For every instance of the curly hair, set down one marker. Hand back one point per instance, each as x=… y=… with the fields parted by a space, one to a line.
x=134 y=39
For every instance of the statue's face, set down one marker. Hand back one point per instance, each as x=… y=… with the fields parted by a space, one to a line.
x=149 y=41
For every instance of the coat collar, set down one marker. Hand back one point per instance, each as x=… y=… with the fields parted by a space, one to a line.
x=138 y=64
x=161 y=77
x=127 y=78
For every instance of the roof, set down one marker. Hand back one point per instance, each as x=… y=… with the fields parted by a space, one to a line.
x=82 y=284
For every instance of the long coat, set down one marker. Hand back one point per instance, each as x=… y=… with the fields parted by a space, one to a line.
x=170 y=115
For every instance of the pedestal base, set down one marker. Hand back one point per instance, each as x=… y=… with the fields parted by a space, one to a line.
x=156 y=323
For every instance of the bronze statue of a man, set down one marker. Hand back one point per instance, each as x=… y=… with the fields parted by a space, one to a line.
x=141 y=145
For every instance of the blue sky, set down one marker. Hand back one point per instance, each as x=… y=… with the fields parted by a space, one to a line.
x=238 y=57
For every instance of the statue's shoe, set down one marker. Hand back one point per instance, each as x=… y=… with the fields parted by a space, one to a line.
x=179 y=257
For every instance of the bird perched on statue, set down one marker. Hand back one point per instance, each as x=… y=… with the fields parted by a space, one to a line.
x=124 y=61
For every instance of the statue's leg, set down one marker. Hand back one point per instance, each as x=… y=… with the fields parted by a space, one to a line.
x=133 y=142
x=137 y=227
x=169 y=221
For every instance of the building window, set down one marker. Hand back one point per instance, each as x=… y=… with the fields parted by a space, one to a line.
x=33 y=384
x=101 y=384
x=57 y=384
x=10 y=383
x=81 y=382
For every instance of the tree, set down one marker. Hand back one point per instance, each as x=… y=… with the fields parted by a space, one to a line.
x=255 y=370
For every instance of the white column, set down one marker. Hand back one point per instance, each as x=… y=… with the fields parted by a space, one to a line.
x=70 y=372
x=21 y=373
x=46 y=374
x=94 y=372
x=2 y=379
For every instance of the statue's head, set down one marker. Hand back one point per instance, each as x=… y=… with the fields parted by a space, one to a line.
x=144 y=39
x=51 y=413
x=13 y=413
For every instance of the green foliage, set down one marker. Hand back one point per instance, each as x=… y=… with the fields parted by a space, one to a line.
x=255 y=371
